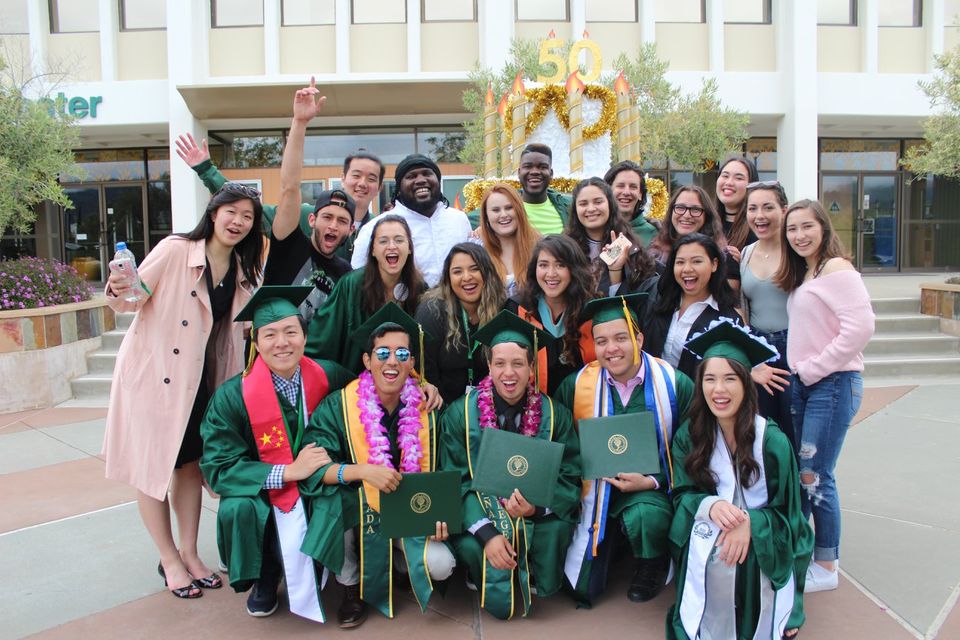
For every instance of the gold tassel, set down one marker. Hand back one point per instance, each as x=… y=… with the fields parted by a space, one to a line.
x=633 y=330
x=251 y=357
x=423 y=377
x=536 y=361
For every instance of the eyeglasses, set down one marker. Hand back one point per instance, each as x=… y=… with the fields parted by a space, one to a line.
x=241 y=190
x=682 y=209
x=383 y=354
x=764 y=184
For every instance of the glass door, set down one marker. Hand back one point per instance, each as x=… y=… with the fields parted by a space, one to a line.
x=123 y=218
x=82 y=232
x=864 y=211
x=840 y=196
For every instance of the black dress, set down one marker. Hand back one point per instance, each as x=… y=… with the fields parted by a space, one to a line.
x=221 y=301
x=452 y=370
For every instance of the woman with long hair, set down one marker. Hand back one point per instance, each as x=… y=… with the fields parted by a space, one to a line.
x=629 y=187
x=739 y=537
x=692 y=293
x=831 y=321
x=558 y=287
x=736 y=172
x=507 y=235
x=594 y=224
x=470 y=294
x=690 y=210
x=182 y=344
x=390 y=275
x=766 y=302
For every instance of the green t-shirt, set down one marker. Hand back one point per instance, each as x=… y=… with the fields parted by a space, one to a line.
x=544 y=217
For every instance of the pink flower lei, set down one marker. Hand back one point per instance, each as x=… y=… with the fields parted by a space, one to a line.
x=532 y=412
x=408 y=433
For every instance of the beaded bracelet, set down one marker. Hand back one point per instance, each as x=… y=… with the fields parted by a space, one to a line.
x=340 y=474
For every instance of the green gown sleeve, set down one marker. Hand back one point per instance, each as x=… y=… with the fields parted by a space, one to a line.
x=453 y=457
x=566 y=498
x=474 y=218
x=685 y=389
x=230 y=462
x=337 y=377
x=328 y=335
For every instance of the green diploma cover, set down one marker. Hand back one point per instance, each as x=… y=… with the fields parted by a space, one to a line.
x=422 y=500
x=613 y=444
x=509 y=461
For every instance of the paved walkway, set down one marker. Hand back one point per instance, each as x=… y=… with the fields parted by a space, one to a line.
x=77 y=562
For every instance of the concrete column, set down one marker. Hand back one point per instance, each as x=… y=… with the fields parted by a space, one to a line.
x=413 y=36
x=578 y=18
x=109 y=27
x=38 y=25
x=497 y=25
x=797 y=131
x=647 y=15
x=868 y=19
x=715 y=34
x=342 y=18
x=934 y=22
x=187 y=63
x=271 y=38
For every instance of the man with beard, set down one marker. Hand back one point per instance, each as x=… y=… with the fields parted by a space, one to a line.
x=546 y=208
x=434 y=225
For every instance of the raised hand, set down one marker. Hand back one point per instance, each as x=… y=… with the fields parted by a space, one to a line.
x=307 y=102
x=190 y=152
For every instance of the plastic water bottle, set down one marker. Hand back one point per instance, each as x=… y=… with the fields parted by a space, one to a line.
x=125 y=263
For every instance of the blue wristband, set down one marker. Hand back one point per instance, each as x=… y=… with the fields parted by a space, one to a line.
x=340 y=474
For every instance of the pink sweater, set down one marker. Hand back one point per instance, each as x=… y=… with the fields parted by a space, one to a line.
x=831 y=321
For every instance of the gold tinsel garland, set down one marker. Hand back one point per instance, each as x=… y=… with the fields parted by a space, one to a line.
x=555 y=97
x=656 y=192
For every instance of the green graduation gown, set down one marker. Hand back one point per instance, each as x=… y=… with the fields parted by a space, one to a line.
x=645 y=230
x=232 y=467
x=781 y=541
x=340 y=507
x=329 y=331
x=540 y=542
x=645 y=515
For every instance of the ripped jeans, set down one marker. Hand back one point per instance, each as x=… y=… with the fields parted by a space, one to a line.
x=821 y=416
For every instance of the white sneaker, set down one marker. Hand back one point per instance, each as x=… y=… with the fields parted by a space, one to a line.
x=820 y=579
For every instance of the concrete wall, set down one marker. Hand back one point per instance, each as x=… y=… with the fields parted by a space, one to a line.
x=378 y=48
x=684 y=45
x=76 y=53
x=901 y=50
x=236 y=52
x=142 y=55
x=838 y=49
x=449 y=46
x=750 y=47
x=308 y=49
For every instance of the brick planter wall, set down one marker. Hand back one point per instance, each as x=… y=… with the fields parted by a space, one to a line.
x=942 y=300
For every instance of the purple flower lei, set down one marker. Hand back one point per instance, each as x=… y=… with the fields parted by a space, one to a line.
x=532 y=412
x=408 y=434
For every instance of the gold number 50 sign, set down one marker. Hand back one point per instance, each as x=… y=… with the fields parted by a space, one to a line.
x=549 y=54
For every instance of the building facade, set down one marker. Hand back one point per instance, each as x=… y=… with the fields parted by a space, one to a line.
x=831 y=88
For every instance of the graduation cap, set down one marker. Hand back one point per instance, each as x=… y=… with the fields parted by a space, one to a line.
x=271 y=303
x=626 y=307
x=393 y=314
x=724 y=339
x=509 y=327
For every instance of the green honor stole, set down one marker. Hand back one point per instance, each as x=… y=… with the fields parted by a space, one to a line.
x=276 y=444
x=376 y=550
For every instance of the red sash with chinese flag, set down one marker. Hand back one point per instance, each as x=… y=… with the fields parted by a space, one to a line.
x=266 y=419
x=586 y=347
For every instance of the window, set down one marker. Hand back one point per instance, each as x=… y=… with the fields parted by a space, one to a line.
x=448 y=10
x=901 y=13
x=142 y=14
x=746 y=11
x=243 y=149
x=75 y=16
x=330 y=147
x=236 y=13
x=302 y=12
x=542 y=10
x=13 y=17
x=680 y=10
x=379 y=11
x=611 y=10
x=859 y=154
x=442 y=146
x=310 y=190
x=837 y=13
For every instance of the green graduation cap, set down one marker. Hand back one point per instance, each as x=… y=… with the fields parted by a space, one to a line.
x=392 y=313
x=723 y=339
x=509 y=327
x=626 y=307
x=272 y=303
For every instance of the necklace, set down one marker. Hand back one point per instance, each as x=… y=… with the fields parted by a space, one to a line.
x=532 y=411
x=408 y=433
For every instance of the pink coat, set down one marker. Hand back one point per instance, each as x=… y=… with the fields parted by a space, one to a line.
x=160 y=362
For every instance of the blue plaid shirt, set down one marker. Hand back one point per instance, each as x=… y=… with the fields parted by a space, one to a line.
x=290 y=390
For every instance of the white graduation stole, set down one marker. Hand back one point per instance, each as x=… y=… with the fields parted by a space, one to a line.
x=775 y=607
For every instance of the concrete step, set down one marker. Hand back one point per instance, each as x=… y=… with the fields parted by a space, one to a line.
x=896 y=305
x=111 y=340
x=101 y=362
x=906 y=323
x=908 y=368
x=912 y=344
x=123 y=320
x=92 y=386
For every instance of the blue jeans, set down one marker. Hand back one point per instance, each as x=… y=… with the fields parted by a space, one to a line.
x=777 y=407
x=821 y=414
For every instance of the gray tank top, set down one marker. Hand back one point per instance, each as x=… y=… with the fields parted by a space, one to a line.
x=768 y=302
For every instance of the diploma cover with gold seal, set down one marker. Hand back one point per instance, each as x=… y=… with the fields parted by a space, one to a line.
x=509 y=461
x=422 y=500
x=623 y=443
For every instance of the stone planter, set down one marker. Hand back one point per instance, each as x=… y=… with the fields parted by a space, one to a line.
x=942 y=300
x=41 y=350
